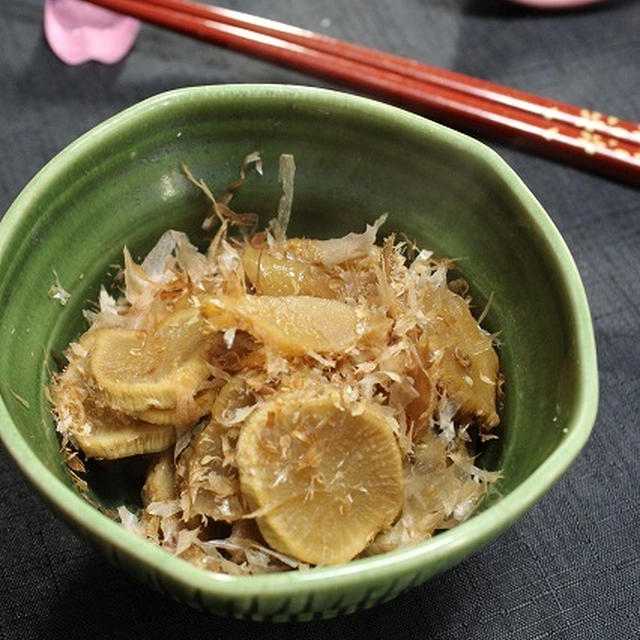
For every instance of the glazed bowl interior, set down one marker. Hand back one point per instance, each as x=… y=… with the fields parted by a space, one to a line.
x=122 y=184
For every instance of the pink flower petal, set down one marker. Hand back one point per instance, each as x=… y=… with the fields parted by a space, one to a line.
x=78 y=32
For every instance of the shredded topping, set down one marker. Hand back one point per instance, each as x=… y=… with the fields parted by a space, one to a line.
x=57 y=291
x=286 y=175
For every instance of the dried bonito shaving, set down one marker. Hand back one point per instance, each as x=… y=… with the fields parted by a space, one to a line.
x=310 y=400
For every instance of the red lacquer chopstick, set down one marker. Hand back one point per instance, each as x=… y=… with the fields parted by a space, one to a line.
x=548 y=109
x=601 y=143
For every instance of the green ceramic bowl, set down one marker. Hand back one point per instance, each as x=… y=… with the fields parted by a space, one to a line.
x=121 y=183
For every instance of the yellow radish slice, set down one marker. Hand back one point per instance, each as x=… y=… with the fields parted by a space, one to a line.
x=323 y=479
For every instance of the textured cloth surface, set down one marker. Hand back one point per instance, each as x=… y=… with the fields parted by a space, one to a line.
x=570 y=568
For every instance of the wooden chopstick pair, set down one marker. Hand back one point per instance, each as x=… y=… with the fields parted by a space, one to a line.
x=604 y=144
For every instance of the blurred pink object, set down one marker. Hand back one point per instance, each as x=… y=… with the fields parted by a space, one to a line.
x=556 y=4
x=78 y=32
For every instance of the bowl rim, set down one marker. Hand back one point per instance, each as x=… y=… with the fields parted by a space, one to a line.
x=469 y=535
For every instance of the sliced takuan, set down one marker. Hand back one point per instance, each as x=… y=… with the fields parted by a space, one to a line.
x=280 y=275
x=294 y=325
x=159 y=489
x=193 y=411
x=109 y=434
x=323 y=478
x=160 y=484
x=138 y=370
x=464 y=363
x=211 y=487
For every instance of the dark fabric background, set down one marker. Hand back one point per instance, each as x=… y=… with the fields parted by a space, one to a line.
x=571 y=567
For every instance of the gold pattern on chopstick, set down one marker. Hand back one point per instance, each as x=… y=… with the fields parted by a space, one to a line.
x=551 y=113
x=594 y=125
x=589 y=119
x=592 y=142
